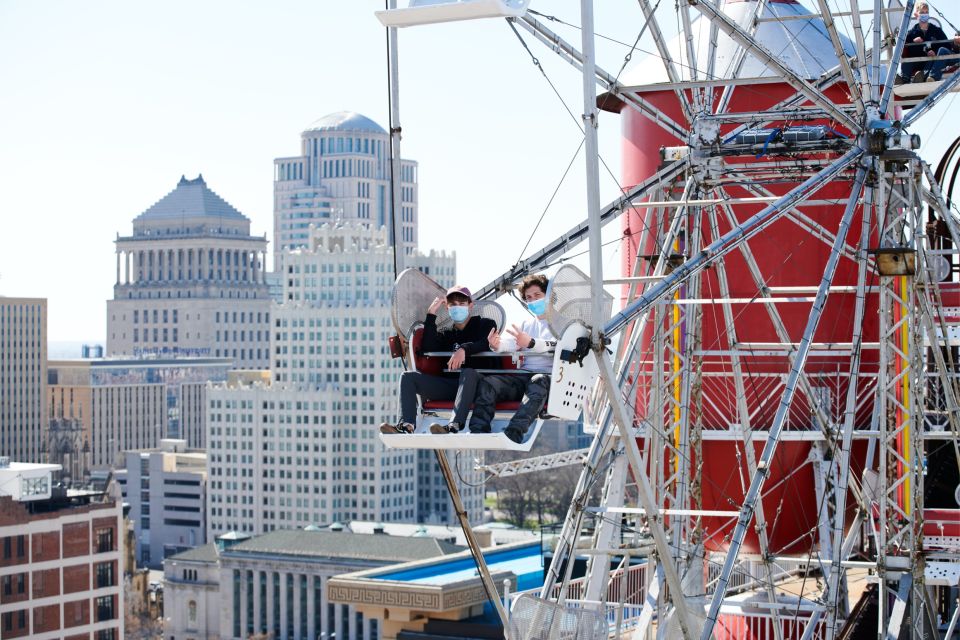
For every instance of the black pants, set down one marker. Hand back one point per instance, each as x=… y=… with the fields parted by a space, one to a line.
x=533 y=389
x=461 y=389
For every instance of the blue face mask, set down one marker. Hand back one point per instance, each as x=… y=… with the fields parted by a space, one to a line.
x=458 y=313
x=537 y=307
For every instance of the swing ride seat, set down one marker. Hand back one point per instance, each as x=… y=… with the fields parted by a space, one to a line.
x=420 y=12
x=437 y=411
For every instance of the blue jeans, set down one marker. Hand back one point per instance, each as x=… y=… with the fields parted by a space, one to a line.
x=933 y=68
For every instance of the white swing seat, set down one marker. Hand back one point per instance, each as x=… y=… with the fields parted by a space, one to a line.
x=435 y=11
x=495 y=441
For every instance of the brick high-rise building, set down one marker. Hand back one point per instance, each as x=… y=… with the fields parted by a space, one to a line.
x=60 y=564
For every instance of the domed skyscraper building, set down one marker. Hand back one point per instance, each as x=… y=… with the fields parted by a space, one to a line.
x=341 y=174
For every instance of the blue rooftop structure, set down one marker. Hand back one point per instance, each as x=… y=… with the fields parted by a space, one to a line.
x=415 y=597
x=525 y=562
x=346 y=121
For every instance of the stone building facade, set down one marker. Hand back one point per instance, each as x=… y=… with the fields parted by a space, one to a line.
x=191 y=282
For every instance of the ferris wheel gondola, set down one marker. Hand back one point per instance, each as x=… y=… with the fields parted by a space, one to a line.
x=573 y=373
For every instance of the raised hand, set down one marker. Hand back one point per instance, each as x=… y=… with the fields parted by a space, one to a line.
x=521 y=336
x=435 y=305
x=493 y=339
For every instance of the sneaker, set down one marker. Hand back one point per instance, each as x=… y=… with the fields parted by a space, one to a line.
x=514 y=434
x=450 y=427
x=899 y=80
x=918 y=77
x=479 y=429
x=400 y=427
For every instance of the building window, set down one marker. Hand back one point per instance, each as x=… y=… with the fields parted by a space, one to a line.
x=192 y=612
x=104 y=573
x=104 y=539
x=35 y=487
x=104 y=606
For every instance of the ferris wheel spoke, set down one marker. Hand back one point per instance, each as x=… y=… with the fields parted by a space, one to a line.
x=692 y=70
x=664 y=52
x=860 y=44
x=844 y=61
x=803 y=350
x=779 y=326
x=730 y=241
x=743 y=416
x=769 y=60
x=895 y=58
x=578 y=234
x=808 y=224
x=711 y=70
x=570 y=54
x=875 y=52
x=739 y=56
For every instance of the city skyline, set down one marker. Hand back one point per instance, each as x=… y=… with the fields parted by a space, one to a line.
x=116 y=102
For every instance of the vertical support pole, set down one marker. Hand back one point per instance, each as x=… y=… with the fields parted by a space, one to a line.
x=396 y=178
x=485 y=577
x=591 y=151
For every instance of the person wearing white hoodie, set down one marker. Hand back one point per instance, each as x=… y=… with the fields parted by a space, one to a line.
x=536 y=341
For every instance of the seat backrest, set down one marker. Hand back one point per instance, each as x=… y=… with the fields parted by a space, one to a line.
x=413 y=292
x=570 y=299
x=420 y=362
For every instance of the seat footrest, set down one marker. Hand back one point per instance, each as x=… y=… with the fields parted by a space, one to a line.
x=423 y=439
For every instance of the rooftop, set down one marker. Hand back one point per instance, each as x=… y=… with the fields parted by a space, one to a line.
x=191 y=198
x=342 y=544
x=346 y=121
x=206 y=553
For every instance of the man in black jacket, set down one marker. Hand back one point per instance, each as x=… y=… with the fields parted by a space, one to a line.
x=469 y=335
x=928 y=40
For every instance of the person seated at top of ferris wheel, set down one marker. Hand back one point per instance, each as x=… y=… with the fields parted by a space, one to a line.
x=467 y=337
x=926 y=39
x=534 y=337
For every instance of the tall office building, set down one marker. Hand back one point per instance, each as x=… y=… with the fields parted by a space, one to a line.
x=191 y=281
x=122 y=404
x=304 y=449
x=342 y=174
x=166 y=489
x=23 y=377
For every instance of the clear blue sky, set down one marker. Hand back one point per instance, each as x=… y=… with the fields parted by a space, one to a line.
x=106 y=103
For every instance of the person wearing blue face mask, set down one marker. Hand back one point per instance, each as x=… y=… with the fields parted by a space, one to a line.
x=535 y=340
x=469 y=335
